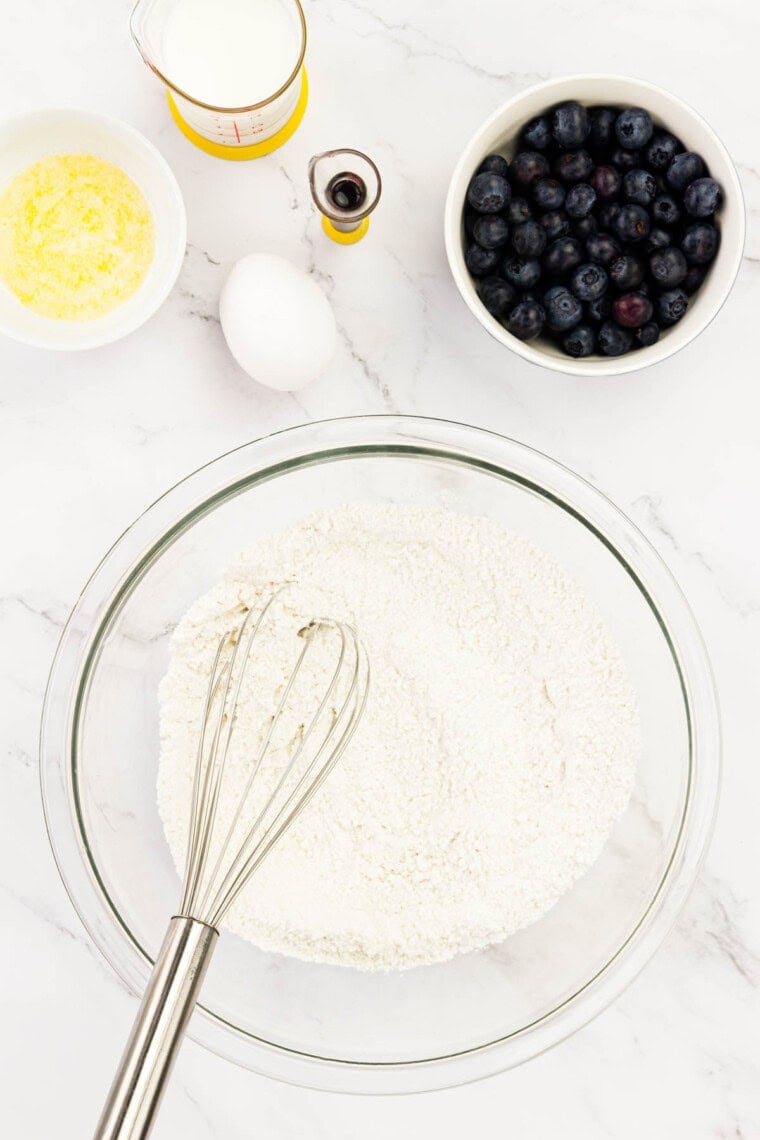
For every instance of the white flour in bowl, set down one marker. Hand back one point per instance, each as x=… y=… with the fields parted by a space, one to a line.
x=498 y=748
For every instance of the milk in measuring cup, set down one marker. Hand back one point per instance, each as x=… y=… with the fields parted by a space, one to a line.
x=231 y=53
x=219 y=55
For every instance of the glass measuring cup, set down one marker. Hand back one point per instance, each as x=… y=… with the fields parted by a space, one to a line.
x=346 y=187
x=233 y=69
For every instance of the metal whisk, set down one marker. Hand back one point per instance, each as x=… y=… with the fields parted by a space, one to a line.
x=211 y=884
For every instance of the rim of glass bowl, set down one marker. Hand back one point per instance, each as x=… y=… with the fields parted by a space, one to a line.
x=143 y=542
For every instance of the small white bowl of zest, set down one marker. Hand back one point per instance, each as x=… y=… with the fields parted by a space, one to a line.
x=40 y=135
x=500 y=133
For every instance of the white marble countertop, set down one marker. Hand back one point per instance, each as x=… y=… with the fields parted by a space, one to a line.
x=87 y=441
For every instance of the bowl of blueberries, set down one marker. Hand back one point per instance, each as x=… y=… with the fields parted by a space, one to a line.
x=595 y=224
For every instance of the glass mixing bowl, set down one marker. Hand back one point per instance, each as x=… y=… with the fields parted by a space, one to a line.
x=331 y=1027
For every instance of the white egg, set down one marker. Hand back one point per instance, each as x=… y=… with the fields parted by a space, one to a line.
x=278 y=323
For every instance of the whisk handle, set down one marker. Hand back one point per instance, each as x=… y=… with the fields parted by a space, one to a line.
x=158 y=1030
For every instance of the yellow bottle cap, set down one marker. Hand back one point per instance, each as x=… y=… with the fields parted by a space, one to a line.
x=343 y=237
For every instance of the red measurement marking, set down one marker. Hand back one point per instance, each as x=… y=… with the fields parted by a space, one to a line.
x=237 y=132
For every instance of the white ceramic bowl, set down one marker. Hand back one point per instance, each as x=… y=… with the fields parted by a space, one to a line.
x=28 y=138
x=500 y=132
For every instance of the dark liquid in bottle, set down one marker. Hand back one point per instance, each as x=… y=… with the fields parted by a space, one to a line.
x=347 y=192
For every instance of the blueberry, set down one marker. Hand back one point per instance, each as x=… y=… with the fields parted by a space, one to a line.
x=702 y=197
x=626 y=272
x=518 y=211
x=632 y=223
x=548 y=193
x=603 y=248
x=494 y=164
x=647 y=335
x=563 y=310
x=527 y=166
x=481 y=261
x=562 y=256
x=668 y=267
x=529 y=239
x=556 y=223
x=700 y=243
x=632 y=310
x=606 y=181
x=497 y=295
x=491 y=231
x=634 y=128
x=526 y=321
x=658 y=239
x=576 y=166
x=489 y=193
x=639 y=186
x=584 y=227
x=693 y=279
x=589 y=282
x=580 y=341
x=625 y=159
x=537 y=135
x=671 y=306
x=522 y=272
x=570 y=125
x=580 y=200
x=661 y=150
x=683 y=169
x=606 y=215
x=600 y=309
x=602 y=121
x=665 y=211
x=612 y=340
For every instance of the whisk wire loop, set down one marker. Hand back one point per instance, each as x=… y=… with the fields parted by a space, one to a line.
x=207 y=779
x=255 y=768
x=271 y=823
x=201 y=775
x=208 y=892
